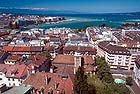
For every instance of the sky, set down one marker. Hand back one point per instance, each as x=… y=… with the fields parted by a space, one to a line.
x=86 y=6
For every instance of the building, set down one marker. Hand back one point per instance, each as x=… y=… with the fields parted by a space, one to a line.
x=116 y=56
x=23 y=50
x=37 y=63
x=50 y=83
x=19 y=90
x=12 y=75
x=91 y=34
x=12 y=59
x=74 y=61
x=137 y=71
x=83 y=50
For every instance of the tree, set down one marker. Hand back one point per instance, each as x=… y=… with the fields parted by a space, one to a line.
x=46 y=54
x=103 y=70
x=129 y=81
x=77 y=30
x=80 y=83
x=120 y=89
x=13 y=25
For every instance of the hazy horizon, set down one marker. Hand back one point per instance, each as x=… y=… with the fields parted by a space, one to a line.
x=82 y=6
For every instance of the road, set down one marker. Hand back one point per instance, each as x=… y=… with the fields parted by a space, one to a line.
x=135 y=88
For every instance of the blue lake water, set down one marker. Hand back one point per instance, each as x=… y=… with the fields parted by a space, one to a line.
x=93 y=19
x=82 y=20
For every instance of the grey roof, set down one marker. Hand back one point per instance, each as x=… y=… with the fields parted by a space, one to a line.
x=18 y=90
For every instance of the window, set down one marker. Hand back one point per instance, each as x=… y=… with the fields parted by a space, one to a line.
x=119 y=59
x=13 y=84
x=0 y=73
x=120 y=56
x=119 y=62
x=8 y=79
x=13 y=79
x=126 y=63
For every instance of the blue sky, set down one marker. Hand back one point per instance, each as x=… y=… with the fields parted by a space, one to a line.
x=88 y=6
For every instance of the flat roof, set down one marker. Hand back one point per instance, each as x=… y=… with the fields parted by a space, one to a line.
x=18 y=90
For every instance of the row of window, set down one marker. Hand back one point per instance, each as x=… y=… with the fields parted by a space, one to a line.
x=11 y=84
x=119 y=63
x=12 y=79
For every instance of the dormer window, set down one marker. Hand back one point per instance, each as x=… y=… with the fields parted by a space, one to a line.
x=13 y=75
x=120 y=51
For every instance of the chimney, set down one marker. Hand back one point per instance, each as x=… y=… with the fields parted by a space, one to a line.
x=55 y=85
x=32 y=67
x=33 y=70
x=35 y=58
x=47 y=80
x=51 y=69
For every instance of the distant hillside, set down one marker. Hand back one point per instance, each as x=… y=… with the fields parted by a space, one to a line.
x=35 y=11
x=136 y=13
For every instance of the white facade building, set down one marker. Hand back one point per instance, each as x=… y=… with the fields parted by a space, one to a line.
x=117 y=57
x=12 y=75
x=137 y=71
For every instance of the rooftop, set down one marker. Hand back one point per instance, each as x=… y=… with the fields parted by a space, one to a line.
x=137 y=61
x=81 y=49
x=18 y=90
x=113 y=49
x=38 y=80
x=22 y=48
x=69 y=59
x=14 y=71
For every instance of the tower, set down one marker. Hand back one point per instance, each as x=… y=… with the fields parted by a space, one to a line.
x=123 y=32
x=77 y=61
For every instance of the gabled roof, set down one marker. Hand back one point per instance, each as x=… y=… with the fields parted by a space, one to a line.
x=69 y=59
x=137 y=61
x=113 y=49
x=22 y=48
x=14 y=71
x=36 y=60
x=38 y=81
x=81 y=49
x=13 y=58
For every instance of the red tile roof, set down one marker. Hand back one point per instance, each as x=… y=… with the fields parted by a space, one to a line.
x=7 y=48
x=13 y=57
x=36 y=60
x=22 y=48
x=14 y=71
x=3 y=33
x=69 y=59
x=38 y=80
x=137 y=61
x=89 y=68
x=81 y=49
x=64 y=59
x=113 y=49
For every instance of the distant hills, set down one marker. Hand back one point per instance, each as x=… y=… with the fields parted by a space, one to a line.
x=135 y=13
x=47 y=11
x=35 y=11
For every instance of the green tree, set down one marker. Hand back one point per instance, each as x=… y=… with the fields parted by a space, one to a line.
x=80 y=83
x=121 y=89
x=46 y=54
x=13 y=25
x=103 y=80
x=103 y=70
x=129 y=81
